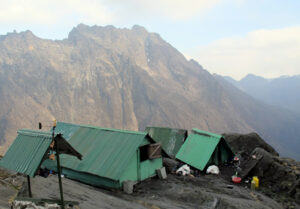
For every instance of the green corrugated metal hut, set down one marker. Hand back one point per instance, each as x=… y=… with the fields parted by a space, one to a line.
x=171 y=139
x=30 y=148
x=202 y=149
x=110 y=156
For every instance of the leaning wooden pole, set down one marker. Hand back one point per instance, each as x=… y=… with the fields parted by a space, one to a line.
x=29 y=186
x=58 y=167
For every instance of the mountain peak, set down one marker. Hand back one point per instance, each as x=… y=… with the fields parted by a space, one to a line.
x=27 y=34
x=139 y=28
x=82 y=28
x=23 y=34
x=251 y=77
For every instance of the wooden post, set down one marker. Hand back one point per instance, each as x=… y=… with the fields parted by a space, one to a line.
x=29 y=186
x=58 y=168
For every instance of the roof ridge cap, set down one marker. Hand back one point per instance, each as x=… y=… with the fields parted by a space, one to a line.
x=30 y=131
x=107 y=129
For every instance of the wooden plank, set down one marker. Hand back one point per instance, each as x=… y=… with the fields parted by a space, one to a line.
x=154 y=151
x=42 y=200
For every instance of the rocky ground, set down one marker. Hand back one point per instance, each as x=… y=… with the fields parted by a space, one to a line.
x=10 y=184
x=176 y=192
x=279 y=177
x=205 y=191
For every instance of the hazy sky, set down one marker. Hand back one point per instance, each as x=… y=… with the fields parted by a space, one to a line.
x=228 y=37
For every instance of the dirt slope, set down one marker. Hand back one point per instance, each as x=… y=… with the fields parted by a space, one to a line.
x=176 y=192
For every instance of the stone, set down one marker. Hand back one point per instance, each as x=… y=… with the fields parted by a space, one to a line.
x=162 y=174
x=128 y=186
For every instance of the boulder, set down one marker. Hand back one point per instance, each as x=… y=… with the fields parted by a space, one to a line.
x=246 y=143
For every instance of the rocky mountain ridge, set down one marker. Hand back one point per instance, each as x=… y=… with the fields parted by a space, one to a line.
x=282 y=91
x=127 y=79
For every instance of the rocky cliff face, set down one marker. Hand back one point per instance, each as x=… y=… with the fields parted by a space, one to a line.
x=124 y=79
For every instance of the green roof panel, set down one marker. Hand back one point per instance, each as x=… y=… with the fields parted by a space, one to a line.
x=27 y=151
x=198 y=148
x=66 y=129
x=205 y=133
x=170 y=139
x=107 y=152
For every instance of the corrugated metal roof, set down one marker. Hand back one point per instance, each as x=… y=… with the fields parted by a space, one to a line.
x=106 y=152
x=171 y=139
x=67 y=130
x=198 y=148
x=29 y=148
x=205 y=133
x=27 y=151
